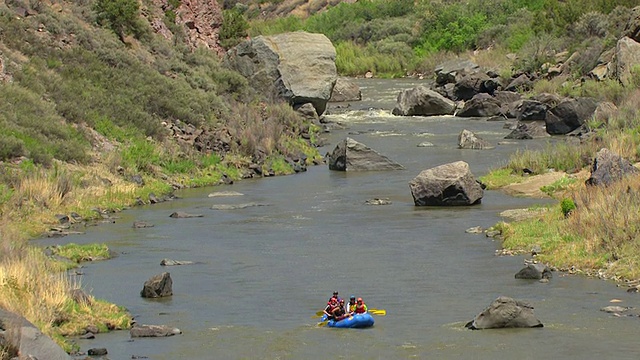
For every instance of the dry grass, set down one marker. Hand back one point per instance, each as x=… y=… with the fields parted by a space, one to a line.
x=31 y=288
x=607 y=219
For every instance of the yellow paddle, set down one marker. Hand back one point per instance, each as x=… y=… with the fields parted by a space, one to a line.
x=380 y=312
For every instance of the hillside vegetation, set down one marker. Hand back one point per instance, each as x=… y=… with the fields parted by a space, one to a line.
x=396 y=38
x=99 y=112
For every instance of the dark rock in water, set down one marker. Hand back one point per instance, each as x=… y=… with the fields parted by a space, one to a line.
x=97 y=352
x=469 y=140
x=481 y=105
x=505 y=312
x=158 y=286
x=169 y=262
x=153 y=331
x=450 y=184
x=141 y=225
x=184 y=215
x=528 y=130
x=350 y=155
x=378 y=201
x=235 y=206
x=534 y=272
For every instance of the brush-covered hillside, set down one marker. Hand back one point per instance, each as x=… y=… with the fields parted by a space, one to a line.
x=130 y=97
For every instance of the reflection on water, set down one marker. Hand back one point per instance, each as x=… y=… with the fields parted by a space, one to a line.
x=262 y=272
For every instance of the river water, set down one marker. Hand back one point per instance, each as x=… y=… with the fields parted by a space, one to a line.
x=263 y=271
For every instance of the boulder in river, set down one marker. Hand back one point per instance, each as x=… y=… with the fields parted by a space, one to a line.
x=350 y=155
x=537 y=271
x=450 y=184
x=158 y=286
x=153 y=331
x=421 y=101
x=505 y=312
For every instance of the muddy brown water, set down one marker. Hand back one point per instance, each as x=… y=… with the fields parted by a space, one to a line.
x=263 y=271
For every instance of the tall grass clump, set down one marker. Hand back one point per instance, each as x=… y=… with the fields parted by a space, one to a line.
x=605 y=220
x=31 y=287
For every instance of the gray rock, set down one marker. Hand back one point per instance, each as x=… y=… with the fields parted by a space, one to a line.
x=452 y=71
x=505 y=312
x=345 y=90
x=421 y=101
x=529 y=110
x=350 y=155
x=158 y=286
x=469 y=140
x=450 y=184
x=184 y=215
x=569 y=115
x=534 y=272
x=153 y=331
x=30 y=342
x=298 y=67
x=481 y=105
x=627 y=56
x=528 y=130
x=608 y=167
x=169 y=262
x=225 y=194
x=235 y=206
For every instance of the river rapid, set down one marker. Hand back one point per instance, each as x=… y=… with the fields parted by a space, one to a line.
x=262 y=272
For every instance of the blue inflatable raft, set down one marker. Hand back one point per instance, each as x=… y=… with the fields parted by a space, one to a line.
x=356 y=321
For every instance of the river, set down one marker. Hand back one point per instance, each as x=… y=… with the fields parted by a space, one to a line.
x=263 y=271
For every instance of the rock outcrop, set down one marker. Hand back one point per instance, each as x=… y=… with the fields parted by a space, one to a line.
x=298 y=67
x=24 y=337
x=627 y=56
x=200 y=19
x=608 y=167
x=505 y=312
x=450 y=184
x=350 y=155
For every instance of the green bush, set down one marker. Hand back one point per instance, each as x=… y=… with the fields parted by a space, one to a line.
x=567 y=205
x=121 y=16
x=234 y=28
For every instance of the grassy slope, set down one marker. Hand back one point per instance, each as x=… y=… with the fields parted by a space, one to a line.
x=82 y=113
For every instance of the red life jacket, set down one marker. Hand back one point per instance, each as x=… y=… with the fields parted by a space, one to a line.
x=360 y=309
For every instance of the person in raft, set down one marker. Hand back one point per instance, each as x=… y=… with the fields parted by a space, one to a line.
x=335 y=295
x=330 y=309
x=351 y=306
x=361 y=307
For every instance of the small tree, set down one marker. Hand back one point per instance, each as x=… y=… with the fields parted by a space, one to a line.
x=234 y=28
x=121 y=16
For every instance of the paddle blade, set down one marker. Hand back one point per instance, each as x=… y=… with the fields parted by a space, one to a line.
x=319 y=313
x=379 y=312
x=322 y=323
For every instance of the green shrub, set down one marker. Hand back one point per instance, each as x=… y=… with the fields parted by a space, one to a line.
x=567 y=206
x=121 y=16
x=234 y=28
